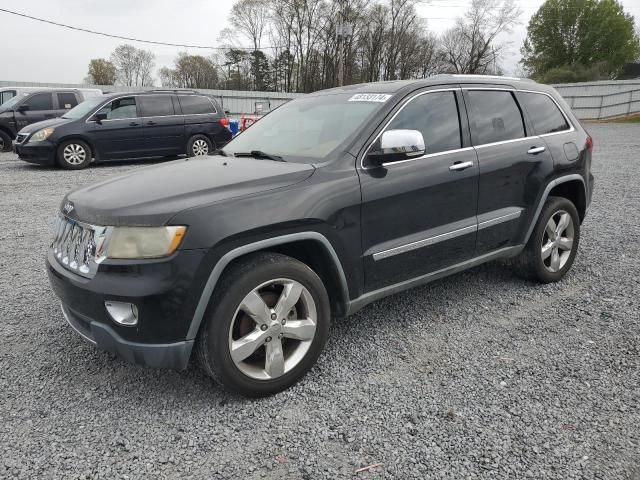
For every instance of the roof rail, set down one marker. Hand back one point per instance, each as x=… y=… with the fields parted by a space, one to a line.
x=497 y=77
x=177 y=90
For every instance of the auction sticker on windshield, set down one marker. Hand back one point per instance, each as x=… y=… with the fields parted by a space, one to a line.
x=370 y=97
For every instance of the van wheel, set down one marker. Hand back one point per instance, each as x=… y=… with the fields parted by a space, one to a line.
x=265 y=326
x=199 y=145
x=5 y=142
x=553 y=244
x=73 y=155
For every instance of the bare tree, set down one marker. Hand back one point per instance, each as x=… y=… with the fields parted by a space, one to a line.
x=134 y=67
x=250 y=18
x=471 y=46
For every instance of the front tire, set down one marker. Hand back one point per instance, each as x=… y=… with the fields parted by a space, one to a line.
x=265 y=326
x=5 y=142
x=553 y=245
x=73 y=155
x=199 y=145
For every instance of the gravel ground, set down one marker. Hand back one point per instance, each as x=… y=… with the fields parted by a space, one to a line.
x=480 y=375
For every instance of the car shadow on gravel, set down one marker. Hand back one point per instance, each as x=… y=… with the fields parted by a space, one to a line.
x=191 y=388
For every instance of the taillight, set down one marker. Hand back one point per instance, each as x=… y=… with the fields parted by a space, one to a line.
x=224 y=122
x=590 y=144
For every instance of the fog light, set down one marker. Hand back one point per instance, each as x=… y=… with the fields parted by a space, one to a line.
x=122 y=312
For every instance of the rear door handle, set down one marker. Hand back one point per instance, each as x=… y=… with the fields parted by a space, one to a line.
x=460 y=166
x=535 y=150
x=151 y=123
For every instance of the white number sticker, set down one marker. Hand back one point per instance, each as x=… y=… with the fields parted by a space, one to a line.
x=370 y=97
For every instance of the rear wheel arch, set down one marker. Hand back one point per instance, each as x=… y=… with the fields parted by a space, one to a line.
x=321 y=258
x=574 y=191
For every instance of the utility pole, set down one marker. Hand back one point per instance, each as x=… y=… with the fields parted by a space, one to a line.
x=342 y=31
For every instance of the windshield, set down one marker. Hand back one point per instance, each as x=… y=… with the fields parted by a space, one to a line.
x=12 y=101
x=83 y=108
x=307 y=127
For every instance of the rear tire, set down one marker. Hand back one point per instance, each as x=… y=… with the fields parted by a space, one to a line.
x=265 y=326
x=199 y=145
x=5 y=142
x=73 y=155
x=553 y=245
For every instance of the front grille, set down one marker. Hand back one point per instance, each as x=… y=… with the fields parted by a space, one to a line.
x=21 y=137
x=75 y=245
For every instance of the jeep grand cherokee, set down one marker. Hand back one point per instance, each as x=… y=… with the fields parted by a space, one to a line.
x=330 y=202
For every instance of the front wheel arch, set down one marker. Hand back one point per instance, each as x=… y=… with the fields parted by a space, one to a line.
x=339 y=295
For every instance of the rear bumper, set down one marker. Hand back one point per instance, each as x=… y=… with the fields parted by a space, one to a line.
x=170 y=355
x=40 y=153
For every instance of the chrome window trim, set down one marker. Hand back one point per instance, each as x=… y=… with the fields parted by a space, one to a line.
x=88 y=120
x=566 y=118
x=406 y=102
x=483 y=145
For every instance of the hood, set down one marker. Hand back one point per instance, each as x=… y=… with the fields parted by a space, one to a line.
x=54 y=122
x=153 y=195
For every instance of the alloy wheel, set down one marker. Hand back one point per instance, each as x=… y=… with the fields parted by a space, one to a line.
x=1 y=144
x=272 y=329
x=200 y=147
x=74 y=154
x=557 y=241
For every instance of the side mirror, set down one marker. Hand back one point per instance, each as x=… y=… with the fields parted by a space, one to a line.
x=99 y=117
x=227 y=112
x=23 y=108
x=395 y=146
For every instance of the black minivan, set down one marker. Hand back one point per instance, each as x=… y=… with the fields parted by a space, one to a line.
x=127 y=125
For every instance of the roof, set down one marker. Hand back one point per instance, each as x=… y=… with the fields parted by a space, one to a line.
x=395 y=86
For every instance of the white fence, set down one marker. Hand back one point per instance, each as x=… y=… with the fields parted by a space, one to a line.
x=235 y=101
x=589 y=100
x=605 y=99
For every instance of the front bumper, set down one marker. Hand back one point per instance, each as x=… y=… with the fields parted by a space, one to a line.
x=169 y=355
x=41 y=153
x=163 y=292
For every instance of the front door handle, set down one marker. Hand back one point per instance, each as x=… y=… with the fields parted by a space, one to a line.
x=460 y=166
x=134 y=124
x=535 y=150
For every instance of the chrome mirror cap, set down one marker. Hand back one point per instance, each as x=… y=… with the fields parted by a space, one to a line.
x=395 y=146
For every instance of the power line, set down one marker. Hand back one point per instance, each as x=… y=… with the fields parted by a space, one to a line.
x=131 y=39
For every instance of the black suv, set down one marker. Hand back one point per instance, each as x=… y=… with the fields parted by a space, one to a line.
x=33 y=106
x=328 y=203
x=125 y=126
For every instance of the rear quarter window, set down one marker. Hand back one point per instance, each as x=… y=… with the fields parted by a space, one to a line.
x=195 y=105
x=495 y=117
x=543 y=112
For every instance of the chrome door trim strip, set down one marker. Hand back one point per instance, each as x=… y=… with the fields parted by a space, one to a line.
x=498 y=220
x=423 y=243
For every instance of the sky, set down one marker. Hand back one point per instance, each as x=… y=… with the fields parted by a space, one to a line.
x=36 y=52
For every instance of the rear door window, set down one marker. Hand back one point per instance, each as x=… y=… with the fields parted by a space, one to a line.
x=494 y=116
x=6 y=95
x=120 y=109
x=435 y=115
x=66 y=100
x=156 y=105
x=39 y=102
x=543 y=112
x=195 y=105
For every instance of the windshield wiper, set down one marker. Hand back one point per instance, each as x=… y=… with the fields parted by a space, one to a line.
x=260 y=154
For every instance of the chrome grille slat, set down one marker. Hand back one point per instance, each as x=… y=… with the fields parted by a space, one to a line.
x=74 y=245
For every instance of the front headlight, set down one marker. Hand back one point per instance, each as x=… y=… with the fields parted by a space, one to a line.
x=142 y=242
x=42 y=135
